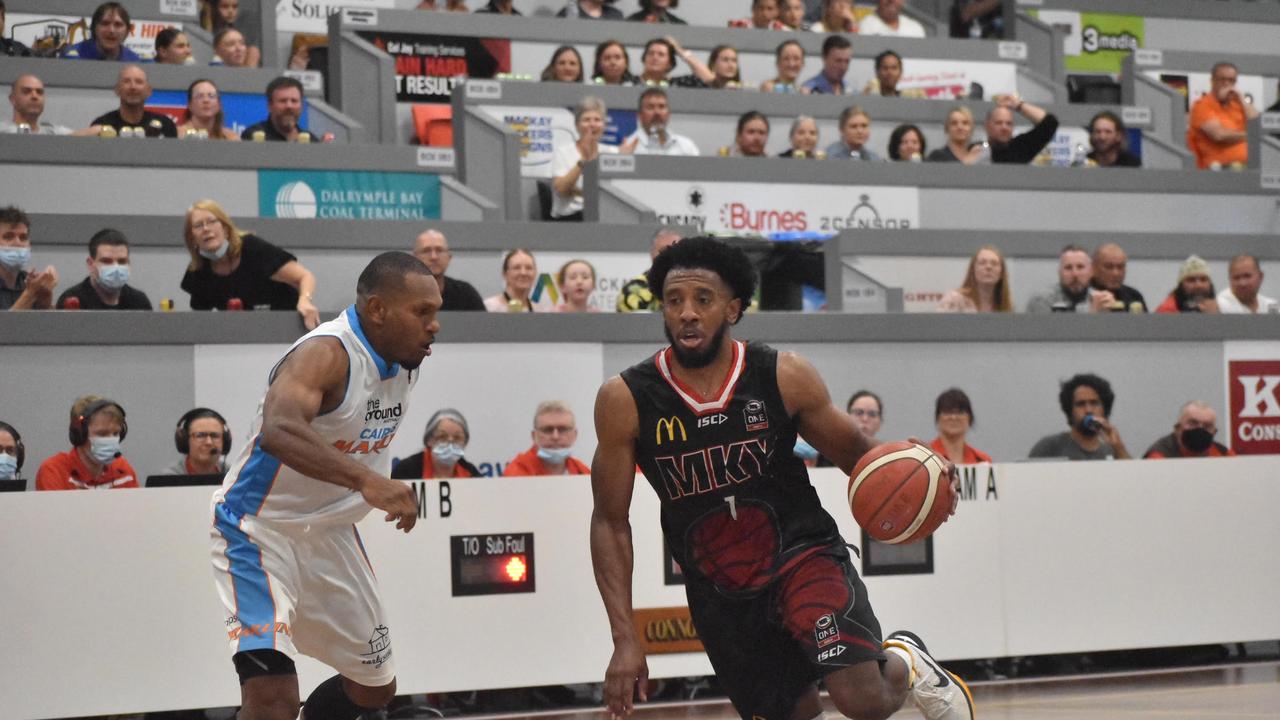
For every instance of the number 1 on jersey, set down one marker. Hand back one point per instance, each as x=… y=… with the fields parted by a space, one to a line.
x=733 y=506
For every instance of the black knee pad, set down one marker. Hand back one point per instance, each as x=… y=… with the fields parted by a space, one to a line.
x=257 y=663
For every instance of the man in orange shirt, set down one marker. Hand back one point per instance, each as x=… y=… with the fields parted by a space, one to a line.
x=1216 y=129
x=554 y=432
x=1192 y=435
x=94 y=461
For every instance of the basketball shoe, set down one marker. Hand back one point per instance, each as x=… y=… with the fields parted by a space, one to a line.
x=939 y=694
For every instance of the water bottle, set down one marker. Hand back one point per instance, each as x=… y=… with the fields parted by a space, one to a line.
x=1080 y=156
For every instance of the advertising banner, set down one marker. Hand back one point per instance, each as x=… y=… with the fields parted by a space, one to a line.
x=949 y=79
x=312 y=16
x=764 y=208
x=45 y=33
x=428 y=67
x=1252 y=372
x=1095 y=42
x=542 y=129
x=348 y=195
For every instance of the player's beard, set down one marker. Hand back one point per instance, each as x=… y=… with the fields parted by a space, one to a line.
x=694 y=359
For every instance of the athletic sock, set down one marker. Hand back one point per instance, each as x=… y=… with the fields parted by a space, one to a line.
x=905 y=654
x=330 y=702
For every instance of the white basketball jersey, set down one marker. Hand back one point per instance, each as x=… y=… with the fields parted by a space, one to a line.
x=362 y=426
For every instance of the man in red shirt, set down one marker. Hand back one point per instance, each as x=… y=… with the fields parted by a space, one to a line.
x=94 y=461
x=554 y=432
x=1192 y=435
x=1216 y=130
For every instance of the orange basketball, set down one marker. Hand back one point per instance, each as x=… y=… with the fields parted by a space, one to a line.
x=900 y=492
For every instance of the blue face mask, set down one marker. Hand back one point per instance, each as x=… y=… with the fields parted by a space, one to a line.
x=555 y=456
x=804 y=450
x=104 y=449
x=8 y=466
x=218 y=254
x=113 y=277
x=14 y=259
x=446 y=453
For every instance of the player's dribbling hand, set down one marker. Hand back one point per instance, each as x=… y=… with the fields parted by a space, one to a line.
x=395 y=498
x=952 y=473
x=627 y=676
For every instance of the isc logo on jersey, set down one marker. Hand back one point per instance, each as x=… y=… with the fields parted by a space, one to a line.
x=373 y=440
x=710 y=420
x=831 y=653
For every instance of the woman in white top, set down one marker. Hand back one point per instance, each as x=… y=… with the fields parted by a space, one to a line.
x=570 y=158
x=985 y=288
x=519 y=271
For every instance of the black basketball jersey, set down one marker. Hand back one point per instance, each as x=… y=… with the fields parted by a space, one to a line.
x=737 y=506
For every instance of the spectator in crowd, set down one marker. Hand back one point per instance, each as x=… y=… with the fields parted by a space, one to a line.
x=1216 y=129
x=1109 y=265
x=657 y=60
x=985 y=288
x=906 y=142
x=570 y=158
x=499 y=7
x=1109 y=140
x=1194 y=292
x=789 y=61
x=565 y=66
x=203 y=117
x=1023 y=148
x=889 y=20
x=284 y=114
x=804 y=140
x=791 y=13
x=21 y=289
x=855 y=130
x=133 y=89
x=653 y=137
x=1072 y=292
x=173 y=47
x=230 y=49
x=612 y=67
x=752 y=136
x=108 y=29
x=1086 y=401
x=107 y=285
x=722 y=72
x=960 y=147
x=635 y=295
x=432 y=249
x=94 y=461
x=1242 y=296
x=888 y=74
x=554 y=433
x=977 y=19
x=449 y=5
x=953 y=415
x=867 y=412
x=203 y=439
x=12 y=452
x=218 y=14
x=837 y=16
x=229 y=264
x=1192 y=435
x=657 y=11
x=445 y=442
x=9 y=46
x=519 y=272
x=764 y=16
x=591 y=10
x=837 y=53
x=27 y=98
x=577 y=280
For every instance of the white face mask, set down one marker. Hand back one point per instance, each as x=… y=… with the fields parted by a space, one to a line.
x=104 y=449
x=218 y=254
x=555 y=456
x=113 y=277
x=8 y=466
x=447 y=453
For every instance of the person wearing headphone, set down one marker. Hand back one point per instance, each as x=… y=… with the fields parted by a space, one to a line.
x=108 y=29
x=94 y=461
x=12 y=452
x=203 y=439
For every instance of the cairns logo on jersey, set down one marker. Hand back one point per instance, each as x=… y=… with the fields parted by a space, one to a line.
x=374 y=440
x=708 y=470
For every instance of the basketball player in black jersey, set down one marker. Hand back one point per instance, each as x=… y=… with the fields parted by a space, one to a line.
x=712 y=422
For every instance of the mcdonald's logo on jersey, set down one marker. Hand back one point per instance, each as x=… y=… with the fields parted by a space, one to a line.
x=671 y=424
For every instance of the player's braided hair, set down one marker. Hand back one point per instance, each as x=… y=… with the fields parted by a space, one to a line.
x=707 y=253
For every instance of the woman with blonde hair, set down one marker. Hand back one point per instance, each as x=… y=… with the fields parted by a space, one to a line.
x=985 y=288
x=228 y=264
x=960 y=148
x=203 y=117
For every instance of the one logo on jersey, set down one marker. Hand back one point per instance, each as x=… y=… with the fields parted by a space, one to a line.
x=373 y=410
x=825 y=631
x=832 y=653
x=755 y=417
x=708 y=470
x=671 y=424
x=379 y=647
x=709 y=420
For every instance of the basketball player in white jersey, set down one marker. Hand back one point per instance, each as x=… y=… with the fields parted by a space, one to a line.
x=288 y=562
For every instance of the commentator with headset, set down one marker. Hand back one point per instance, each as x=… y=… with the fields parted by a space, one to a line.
x=94 y=461
x=203 y=440
x=12 y=453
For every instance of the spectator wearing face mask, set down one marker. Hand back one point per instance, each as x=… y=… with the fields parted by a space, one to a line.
x=554 y=433
x=12 y=452
x=94 y=461
x=1192 y=435
x=107 y=285
x=444 y=441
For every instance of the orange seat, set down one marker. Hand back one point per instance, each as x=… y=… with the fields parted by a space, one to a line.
x=434 y=124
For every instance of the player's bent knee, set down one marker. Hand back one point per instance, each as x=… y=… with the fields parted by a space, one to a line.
x=370 y=696
x=859 y=692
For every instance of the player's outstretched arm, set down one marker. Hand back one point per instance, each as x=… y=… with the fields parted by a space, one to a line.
x=314 y=378
x=819 y=421
x=613 y=476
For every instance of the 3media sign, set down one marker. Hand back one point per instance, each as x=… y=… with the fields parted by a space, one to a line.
x=348 y=195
